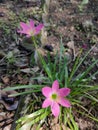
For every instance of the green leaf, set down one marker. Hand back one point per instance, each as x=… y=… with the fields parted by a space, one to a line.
x=85 y=2
x=22 y=87
x=33 y=118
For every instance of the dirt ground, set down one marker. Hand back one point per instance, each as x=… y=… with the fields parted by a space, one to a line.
x=66 y=18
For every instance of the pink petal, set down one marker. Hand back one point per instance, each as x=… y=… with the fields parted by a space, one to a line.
x=21 y=31
x=46 y=103
x=38 y=28
x=24 y=32
x=64 y=92
x=64 y=102
x=55 y=86
x=24 y=26
x=31 y=23
x=55 y=108
x=28 y=35
x=46 y=91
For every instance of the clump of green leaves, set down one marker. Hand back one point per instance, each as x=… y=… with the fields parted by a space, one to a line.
x=10 y=58
x=83 y=3
x=78 y=82
x=26 y=122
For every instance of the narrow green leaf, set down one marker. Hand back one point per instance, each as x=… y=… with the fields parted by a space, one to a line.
x=22 y=87
x=84 y=2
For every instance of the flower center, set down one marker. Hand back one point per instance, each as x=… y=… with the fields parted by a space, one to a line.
x=54 y=96
x=32 y=32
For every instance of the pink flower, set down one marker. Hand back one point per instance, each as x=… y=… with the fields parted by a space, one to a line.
x=54 y=97
x=84 y=46
x=30 y=29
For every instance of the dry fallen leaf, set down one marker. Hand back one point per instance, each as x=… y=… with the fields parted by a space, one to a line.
x=30 y=70
x=65 y=127
x=9 y=103
x=72 y=47
x=43 y=37
x=95 y=49
x=56 y=127
x=8 y=127
x=5 y=79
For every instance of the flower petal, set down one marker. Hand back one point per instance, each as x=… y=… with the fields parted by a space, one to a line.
x=38 y=28
x=24 y=26
x=46 y=103
x=46 y=91
x=64 y=92
x=64 y=102
x=31 y=23
x=55 y=108
x=28 y=35
x=55 y=86
x=22 y=31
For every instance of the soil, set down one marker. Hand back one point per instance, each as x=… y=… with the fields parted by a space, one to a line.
x=65 y=18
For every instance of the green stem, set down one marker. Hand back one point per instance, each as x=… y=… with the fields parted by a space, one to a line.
x=34 y=41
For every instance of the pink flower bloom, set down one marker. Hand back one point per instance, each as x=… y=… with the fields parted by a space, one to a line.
x=30 y=29
x=84 y=46
x=54 y=97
